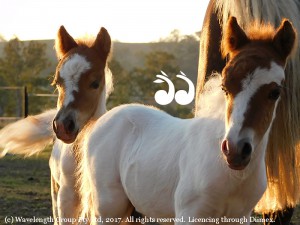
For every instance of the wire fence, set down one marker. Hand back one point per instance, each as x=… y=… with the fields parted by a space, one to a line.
x=14 y=103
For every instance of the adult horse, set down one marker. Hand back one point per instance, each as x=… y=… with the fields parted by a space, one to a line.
x=283 y=150
x=206 y=169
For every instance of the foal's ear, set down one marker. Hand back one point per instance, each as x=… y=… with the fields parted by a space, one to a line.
x=64 y=42
x=234 y=37
x=102 y=43
x=284 y=38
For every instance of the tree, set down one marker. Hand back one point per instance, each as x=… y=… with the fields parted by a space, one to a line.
x=141 y=79
x=21 y=65
x=176 y=37
x=137 y=85
x=121 y=92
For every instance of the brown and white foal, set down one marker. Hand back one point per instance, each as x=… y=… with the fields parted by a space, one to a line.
x=83 y=82
x=196 y=170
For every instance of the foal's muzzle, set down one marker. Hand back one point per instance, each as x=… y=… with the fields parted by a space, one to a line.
x=237 y=155
x=65 y=127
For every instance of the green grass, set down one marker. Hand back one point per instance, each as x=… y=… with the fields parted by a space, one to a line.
x=25 y=188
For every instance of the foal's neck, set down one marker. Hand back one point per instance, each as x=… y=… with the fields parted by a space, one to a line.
x=101 y=108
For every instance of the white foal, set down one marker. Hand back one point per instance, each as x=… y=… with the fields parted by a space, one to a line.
x=201 y=169
x=84 y=83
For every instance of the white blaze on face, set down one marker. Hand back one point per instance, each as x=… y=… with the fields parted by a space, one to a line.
x=250 y=85
x=70 y=72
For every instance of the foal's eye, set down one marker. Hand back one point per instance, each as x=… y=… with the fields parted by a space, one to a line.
x=95 y=84
x=274 y=94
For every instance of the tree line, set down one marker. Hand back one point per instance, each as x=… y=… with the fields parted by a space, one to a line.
x=22 y=64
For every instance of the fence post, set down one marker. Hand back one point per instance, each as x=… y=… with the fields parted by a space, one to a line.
x=25 y=102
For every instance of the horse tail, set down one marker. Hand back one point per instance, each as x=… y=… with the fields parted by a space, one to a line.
x=27 y=136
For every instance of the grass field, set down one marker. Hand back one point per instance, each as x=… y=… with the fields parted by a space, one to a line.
x=25 y=189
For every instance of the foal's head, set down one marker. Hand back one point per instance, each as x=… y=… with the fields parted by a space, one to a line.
x=80 y=80
x=252 y=81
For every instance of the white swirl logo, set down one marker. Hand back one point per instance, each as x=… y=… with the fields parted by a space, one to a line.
x=182 y=97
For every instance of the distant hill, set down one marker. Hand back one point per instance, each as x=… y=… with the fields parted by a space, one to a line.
x=131 y=55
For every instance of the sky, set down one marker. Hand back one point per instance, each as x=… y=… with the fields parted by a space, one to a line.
x=125 y=20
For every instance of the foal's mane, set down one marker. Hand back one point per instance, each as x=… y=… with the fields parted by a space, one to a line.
x=212 y=100
x=259 y=31
x=109 y=84
x=86 y=40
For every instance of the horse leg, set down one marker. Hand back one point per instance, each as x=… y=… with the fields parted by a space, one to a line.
x=135 y=215
x=68 y=204
x=284 y=217
x=189 y=205
x=112 y=206
x=54 y=191
x=281 y=217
